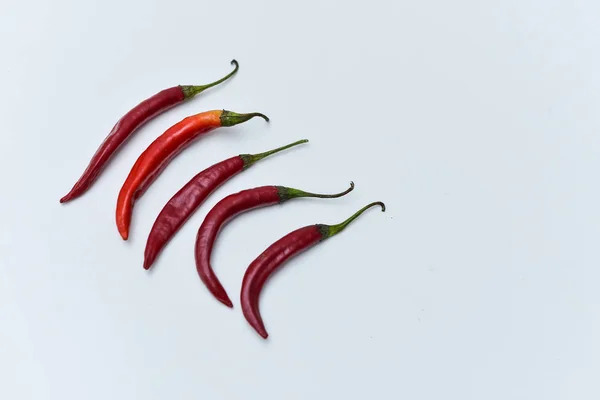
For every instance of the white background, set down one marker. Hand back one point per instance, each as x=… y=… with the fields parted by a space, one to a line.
x=476 y=122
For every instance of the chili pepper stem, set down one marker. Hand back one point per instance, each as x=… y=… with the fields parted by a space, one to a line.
x=328 y=231
x=286 y=193
x=190 y=91
x=230 y=118
x=250 y=159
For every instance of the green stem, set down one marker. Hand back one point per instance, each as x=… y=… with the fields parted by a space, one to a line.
x=250 y=159
x=230 y=118
x=190 y=91
x=286 y=193
x=329 y=230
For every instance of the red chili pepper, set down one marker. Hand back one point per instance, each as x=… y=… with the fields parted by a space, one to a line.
x=129 y=123
x=275 y=255
x=187 y=200
x=225 y=210
x=160 y=152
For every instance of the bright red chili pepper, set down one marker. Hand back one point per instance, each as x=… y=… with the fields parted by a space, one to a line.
x=187 y=200
x=227 y=209
x=275 y=255
x=129 y=123
x=160 y=152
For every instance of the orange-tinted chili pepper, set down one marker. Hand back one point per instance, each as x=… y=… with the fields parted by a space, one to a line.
x=187 y=200
x=129 y=123
x=275 y=255
x=160 y=152
x=225 y=210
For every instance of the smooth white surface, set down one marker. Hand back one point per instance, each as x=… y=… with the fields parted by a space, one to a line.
x=476 y=122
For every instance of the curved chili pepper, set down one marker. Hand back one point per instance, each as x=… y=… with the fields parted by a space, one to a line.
x=187 y=200
x=275 y=255
x=228 y=208
x=160 y=152
x=129 y=123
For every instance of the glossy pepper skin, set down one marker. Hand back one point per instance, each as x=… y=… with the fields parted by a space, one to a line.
x=162 y=151
x=130 y=123
x=227 y=209
x=275 y=256
x=187 y=200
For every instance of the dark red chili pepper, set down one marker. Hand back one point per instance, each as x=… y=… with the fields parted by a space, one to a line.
x=129 y=123
x=227 y=209
x=160 y=152
x=275 y=255
x=187 y=200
